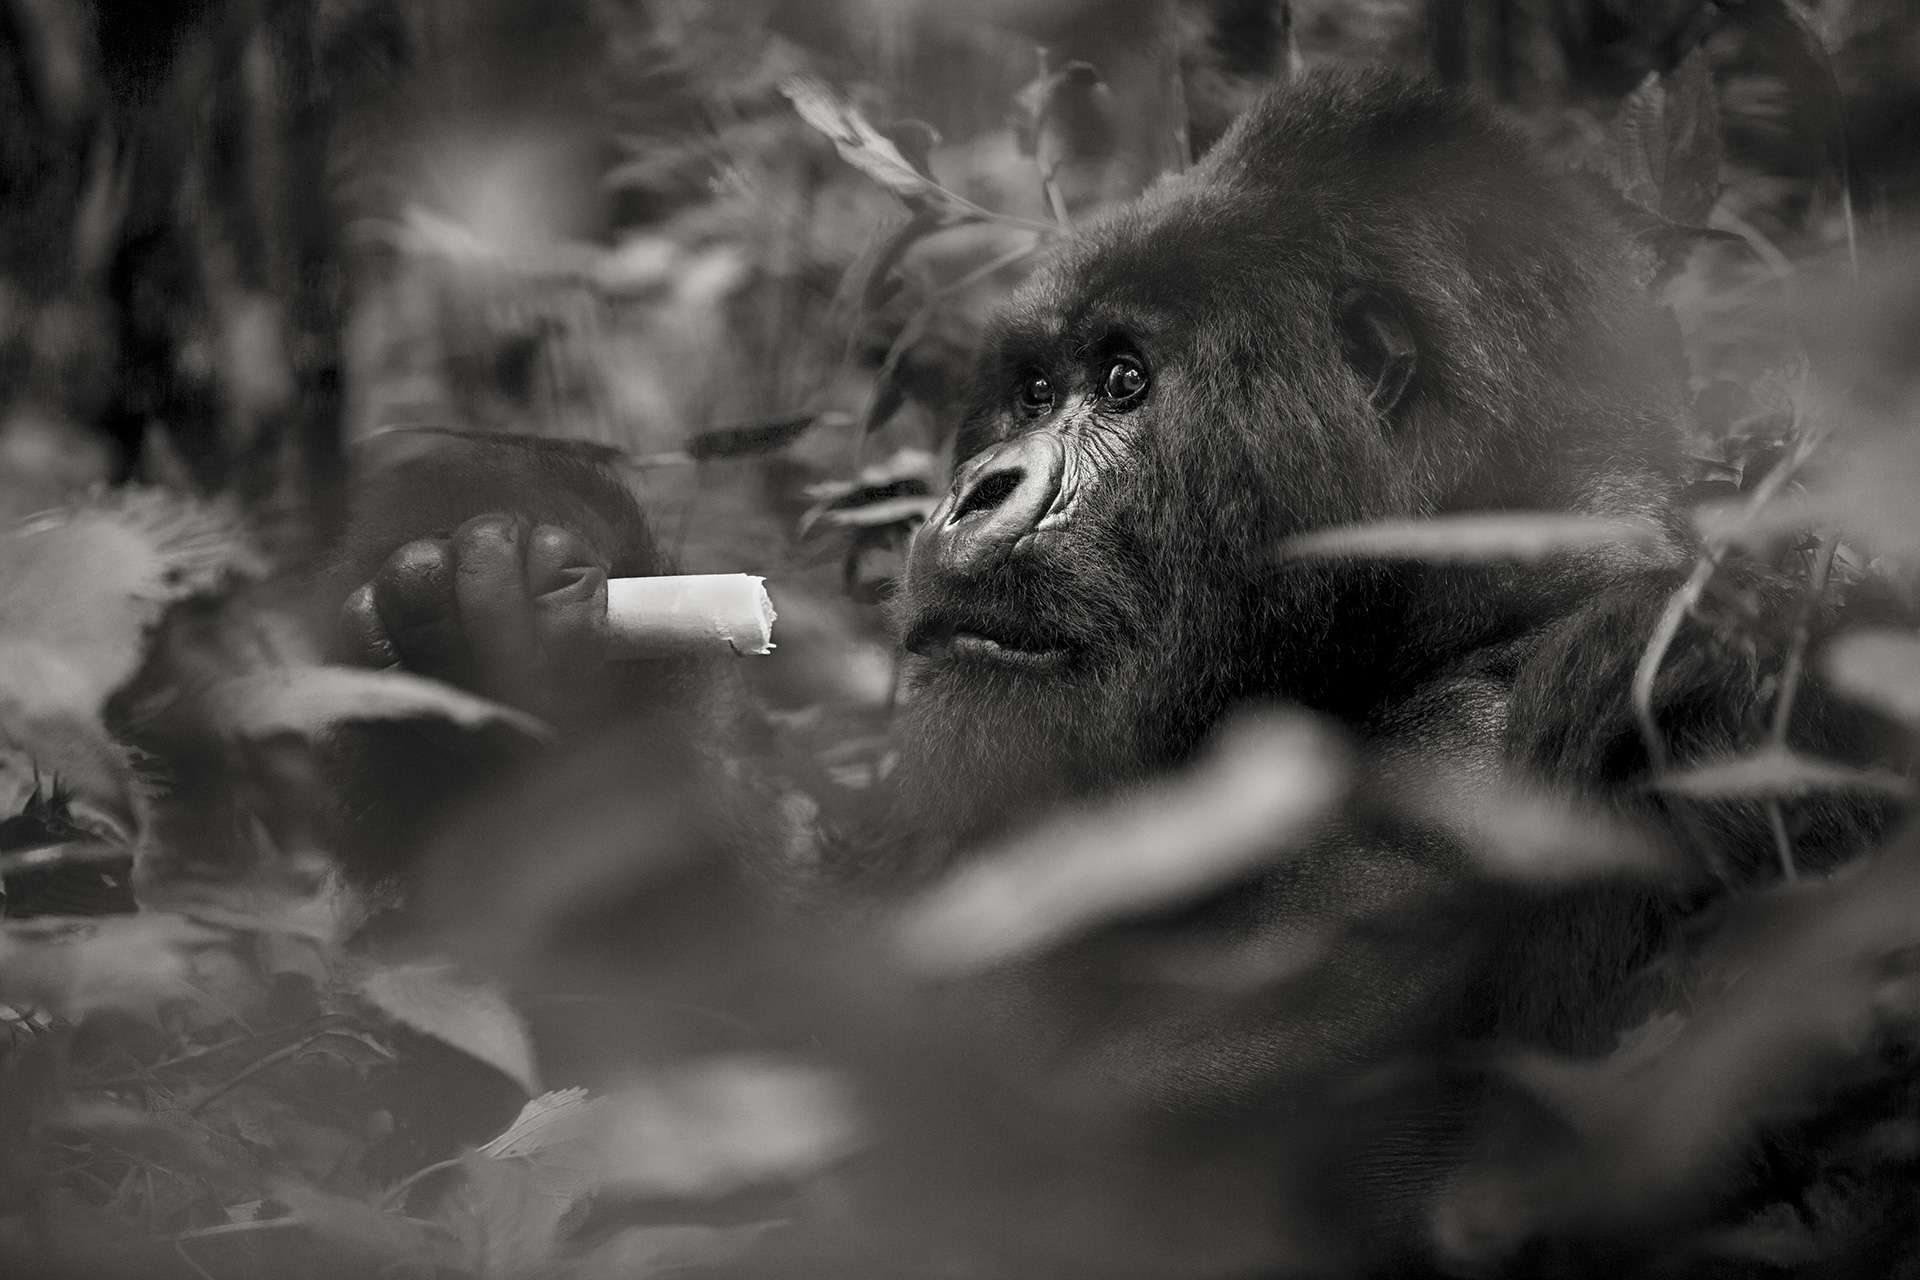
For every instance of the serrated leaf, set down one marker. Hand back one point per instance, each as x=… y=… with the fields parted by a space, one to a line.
x=1493 y=536
x=1776 y=772
x=310 y=700
x=475 y=1019
x=507 y=1217
x=1878 y=667
x=552 y=1119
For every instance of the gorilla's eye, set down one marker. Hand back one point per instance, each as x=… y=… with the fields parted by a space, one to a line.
x=1124 y=382
x=1035 y=395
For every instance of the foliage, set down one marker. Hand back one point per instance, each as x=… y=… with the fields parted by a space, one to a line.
x=218 y=1064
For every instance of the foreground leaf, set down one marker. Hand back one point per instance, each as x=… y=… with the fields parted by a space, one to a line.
x=129 y=963
x=475 y=1019
x=1878 y=667
x=1265 y=788
x=309 y=700
x=715 y=1126
x=1776 y=771
x=1498 y=536
x=1533 y=835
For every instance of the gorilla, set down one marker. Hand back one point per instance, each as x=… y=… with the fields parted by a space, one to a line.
x=1368 y=301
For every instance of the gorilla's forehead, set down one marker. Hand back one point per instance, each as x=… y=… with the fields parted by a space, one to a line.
x=1182 y=257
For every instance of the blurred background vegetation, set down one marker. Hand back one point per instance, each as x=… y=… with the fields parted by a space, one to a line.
x=748 y=244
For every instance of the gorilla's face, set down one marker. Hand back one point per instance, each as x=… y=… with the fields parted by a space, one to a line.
x=1165 y=403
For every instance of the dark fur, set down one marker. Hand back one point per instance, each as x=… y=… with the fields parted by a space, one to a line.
x=1545 y=380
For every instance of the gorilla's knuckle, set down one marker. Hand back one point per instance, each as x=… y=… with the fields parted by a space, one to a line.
x=492 y=532
x=559 y=543
x=414 y=576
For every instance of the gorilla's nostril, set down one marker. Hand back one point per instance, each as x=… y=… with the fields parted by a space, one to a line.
x=988 y=493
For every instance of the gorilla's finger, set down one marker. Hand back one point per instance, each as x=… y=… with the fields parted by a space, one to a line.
x=489 y=580
x=568 y=582
x=361 y=637
x=413 y=594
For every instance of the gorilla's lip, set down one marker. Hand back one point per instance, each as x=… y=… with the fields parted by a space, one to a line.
x=1000 y=641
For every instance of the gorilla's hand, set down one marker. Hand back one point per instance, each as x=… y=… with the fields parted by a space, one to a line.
x=505 y=607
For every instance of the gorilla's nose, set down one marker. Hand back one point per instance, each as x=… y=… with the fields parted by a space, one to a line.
x=997 y=498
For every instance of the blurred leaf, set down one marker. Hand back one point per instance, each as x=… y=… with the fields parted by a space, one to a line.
x=1776 y=771
x=867 y=149
x=888 y=399
x=881 y=283
x=1264 y=789
x=1534 y=835
x=901 y=467
x=79 y=588
x=1068 y=118
x=1733 y=523
x=916 y=140
x=653 y=1251
x=1807 y=991
x=507 y=1217
x=476 y=1019
x=750 y=438
x=91 y=772
x=133 y=964
x=358 y=1231
x=875 y=515
x=1666 y=144
x=1498 y=536
x=1878 y=667
x=714 y=1126
x=1791 y=49
x=309 y=700
x=162 y=1137
x=906 y=474
x=72 y=854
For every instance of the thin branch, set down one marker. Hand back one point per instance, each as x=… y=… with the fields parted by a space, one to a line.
x=255 y=1068
x=1680 y=604
x=1794 y=671
x=1689 y=593
x=1791 y=675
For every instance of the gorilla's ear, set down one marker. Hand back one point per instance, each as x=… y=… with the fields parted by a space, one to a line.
x=1379 y=345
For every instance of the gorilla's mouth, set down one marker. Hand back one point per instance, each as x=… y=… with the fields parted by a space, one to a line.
x=1002 y=642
